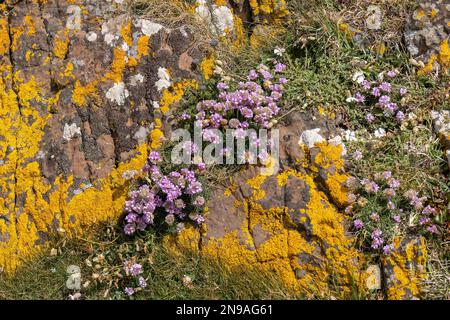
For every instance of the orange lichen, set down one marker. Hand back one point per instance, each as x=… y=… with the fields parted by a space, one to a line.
x=68 y=71
x=442 y=57
x=276 y=9
x=207 y=67
x=61 y=45
x=143 y=46
x=4 y=37
x=46 y=207
x=256 y=184
x=329 y=159
x=174 y=94
x=126 y=34
x=156 y=138
x=81 y=93
x=281 y=245
x=408 y=267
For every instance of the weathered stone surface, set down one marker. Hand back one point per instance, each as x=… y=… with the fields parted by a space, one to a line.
x=441 y=126
x=83 y=86
x=404 y=269
x=286 y=222
x=427 y=36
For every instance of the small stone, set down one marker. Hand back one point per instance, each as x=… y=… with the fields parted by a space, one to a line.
x=187 y=281
x=214 y=42
x=373 y=280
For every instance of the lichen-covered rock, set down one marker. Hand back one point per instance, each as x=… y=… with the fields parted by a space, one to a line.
x=404 y=268
x=427 y=36
x=230 y=18
x=286 y=222
x=83 y=86
x=441 y=126
x=84 y=89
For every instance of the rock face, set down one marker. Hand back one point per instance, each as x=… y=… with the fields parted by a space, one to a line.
x=404 y=269
x=441 y=126
x=427 y=36
x=85 y=90
x=287 y=222
x=83 y=85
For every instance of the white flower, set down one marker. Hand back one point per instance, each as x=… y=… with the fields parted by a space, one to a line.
x=358 y=77
x=379 y=133
x=279 y=51
x=350 y=99
x=218 y=70
x=350 y=135
x=187 y=281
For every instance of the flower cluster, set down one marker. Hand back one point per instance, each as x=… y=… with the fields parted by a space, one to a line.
x=134 y=271
x=240 y=106
x=380 y=209
x=175 y=196
x=381 y=99
x=255 y=101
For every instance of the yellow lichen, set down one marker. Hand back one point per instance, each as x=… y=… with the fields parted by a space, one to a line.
x=408 y=267
x=143 y=46
x=207 y=67
x=276 y=9
x=174 y=94
x=4 y=37
x=442 y=57
x=156 y=138
x=61 y=45
x=68 y=71
x=126 y=34
x=283 y=243
x=46 y=207
x=81 y=93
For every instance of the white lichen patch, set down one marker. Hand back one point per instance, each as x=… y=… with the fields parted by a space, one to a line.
x=310 y=137
x=91 y=36
x=74 y=19
x=148 y=27
x=110 y=38
x=118 y=93
x=164 y=79
x=70 y=131
x=441 y=121
x=129 y=174
x=105 y=28
x=220 y=19
x=124 y=47
x=141 y=135
x=136 y=79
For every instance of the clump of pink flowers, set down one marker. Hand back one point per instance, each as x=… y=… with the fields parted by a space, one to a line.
x=381 y=99
x=133 y=272
x=253 y=102
x=381 y=210
x=174 y=197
